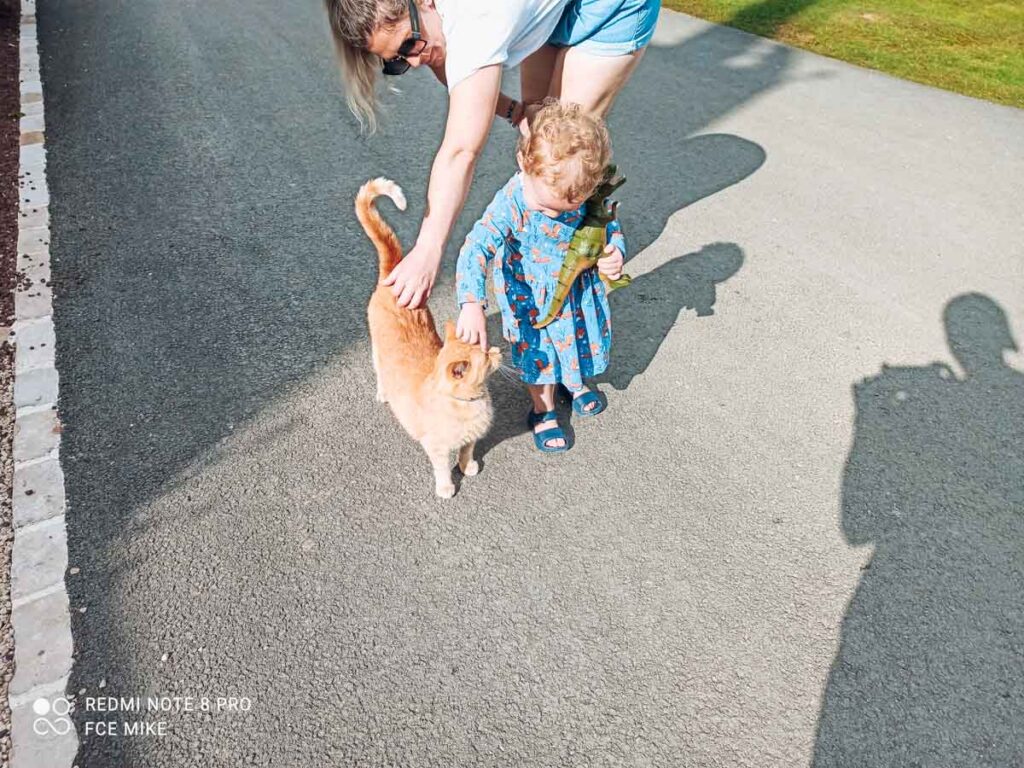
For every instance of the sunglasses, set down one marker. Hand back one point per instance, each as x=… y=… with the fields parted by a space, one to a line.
x=411 y=46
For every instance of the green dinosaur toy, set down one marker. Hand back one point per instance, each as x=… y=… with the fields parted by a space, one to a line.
x=587 y=245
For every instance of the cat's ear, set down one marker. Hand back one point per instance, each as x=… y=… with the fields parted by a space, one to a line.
x=458 y=370
x=494 y=358
x=449 y=330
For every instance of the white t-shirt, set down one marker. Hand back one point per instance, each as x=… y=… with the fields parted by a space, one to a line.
x=479 y=33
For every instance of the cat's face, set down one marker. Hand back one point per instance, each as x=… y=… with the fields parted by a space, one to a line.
x=464 y=368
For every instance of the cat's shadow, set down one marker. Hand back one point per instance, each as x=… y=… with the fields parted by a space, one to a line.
x=642 y=317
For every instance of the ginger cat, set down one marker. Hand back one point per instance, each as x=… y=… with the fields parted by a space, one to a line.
x=436 y=390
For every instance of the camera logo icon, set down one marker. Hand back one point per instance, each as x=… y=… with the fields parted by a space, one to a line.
x=52 y=717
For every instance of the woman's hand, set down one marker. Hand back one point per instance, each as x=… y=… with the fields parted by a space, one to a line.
x=611 y=265
x=472 y=326
x=413 y=279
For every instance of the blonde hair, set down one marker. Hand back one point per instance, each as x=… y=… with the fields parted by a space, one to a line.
x=352 y=24
x=567 y=148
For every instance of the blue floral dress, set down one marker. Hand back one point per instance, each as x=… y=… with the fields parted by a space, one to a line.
x=525 y=249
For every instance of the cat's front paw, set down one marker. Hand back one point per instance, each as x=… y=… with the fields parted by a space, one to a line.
x=445 y=491
x=471 y=468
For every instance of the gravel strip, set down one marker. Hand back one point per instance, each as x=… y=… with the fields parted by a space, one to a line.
x=9 y=112
x=6 y=540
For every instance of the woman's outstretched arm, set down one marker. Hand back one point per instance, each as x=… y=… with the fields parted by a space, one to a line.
x=503 y=105
x=471 y=108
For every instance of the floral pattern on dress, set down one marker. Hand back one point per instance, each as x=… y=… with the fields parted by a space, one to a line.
x=524 y=249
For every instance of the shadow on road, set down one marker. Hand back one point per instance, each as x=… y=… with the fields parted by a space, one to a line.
x=643 y=316
x=765 y=18
x=207 y=259
x=645 y=312
x=930 y=669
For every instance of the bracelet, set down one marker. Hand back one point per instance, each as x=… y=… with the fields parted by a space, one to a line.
x=512 y=104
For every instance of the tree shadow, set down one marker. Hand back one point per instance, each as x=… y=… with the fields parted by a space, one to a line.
x=767 y=17
x=930 y=668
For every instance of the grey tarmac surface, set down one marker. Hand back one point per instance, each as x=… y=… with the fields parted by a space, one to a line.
x=744 y=562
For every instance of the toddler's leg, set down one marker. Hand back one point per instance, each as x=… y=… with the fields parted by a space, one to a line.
x=543 y=396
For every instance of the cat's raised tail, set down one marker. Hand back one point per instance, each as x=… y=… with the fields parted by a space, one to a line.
x=389 y=250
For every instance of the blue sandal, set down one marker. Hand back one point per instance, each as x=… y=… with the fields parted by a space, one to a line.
x=579 y=404
x=540 y=439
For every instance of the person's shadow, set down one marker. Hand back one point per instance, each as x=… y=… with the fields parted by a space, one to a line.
x=930 y=668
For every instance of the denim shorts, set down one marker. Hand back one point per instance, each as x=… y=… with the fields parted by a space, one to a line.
x=607 y=27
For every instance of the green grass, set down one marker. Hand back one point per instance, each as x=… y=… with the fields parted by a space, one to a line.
x=975 y=47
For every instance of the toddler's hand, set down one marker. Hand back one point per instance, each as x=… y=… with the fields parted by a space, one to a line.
x=472 y=326
x=611 y=265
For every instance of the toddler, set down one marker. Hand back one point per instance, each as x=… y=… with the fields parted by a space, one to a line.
x=524 y=235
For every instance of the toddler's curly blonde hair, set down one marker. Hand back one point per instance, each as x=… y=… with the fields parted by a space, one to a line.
x=567 y=148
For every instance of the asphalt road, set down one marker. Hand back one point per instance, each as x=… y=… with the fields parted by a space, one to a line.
x=746 y=561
